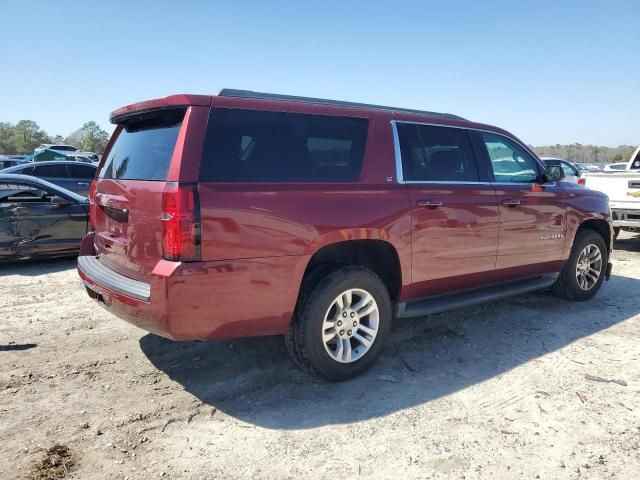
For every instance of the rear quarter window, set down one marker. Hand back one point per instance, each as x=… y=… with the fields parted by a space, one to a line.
x=143 y=149
x=257 y=146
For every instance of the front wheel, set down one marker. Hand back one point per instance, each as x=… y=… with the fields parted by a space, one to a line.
x=341 y=324
x=585 y=271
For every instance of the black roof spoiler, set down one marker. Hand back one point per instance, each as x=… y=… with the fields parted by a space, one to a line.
x=230 y=92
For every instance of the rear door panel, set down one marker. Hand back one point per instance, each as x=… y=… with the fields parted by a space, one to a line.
x=454 y=244
x=53 y=228
x=454 y=215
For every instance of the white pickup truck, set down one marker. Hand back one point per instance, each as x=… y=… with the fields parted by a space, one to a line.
x=623 y=190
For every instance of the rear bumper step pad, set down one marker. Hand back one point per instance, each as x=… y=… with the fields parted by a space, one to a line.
x=94 y=270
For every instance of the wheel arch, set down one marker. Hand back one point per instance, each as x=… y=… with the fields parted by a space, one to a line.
x=379 y=256
x=600 y=226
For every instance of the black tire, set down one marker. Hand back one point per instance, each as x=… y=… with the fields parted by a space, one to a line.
x=304 y=338
x=567 y=284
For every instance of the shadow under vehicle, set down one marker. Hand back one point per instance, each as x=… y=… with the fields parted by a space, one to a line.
x=426 y=359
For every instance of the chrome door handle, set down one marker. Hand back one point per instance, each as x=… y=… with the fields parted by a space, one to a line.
x=429 y=204
x=512 y=202
x=84 y=184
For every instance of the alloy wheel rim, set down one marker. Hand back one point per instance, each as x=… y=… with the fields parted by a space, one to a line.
x=350 y=325
x=589 y=267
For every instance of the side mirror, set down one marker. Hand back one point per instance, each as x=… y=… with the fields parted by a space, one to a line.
x=554 y=173
x=59 y=202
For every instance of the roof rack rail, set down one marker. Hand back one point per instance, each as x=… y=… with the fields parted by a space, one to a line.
x=230 y=92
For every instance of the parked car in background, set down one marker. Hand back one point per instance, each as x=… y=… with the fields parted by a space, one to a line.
x=247 y=214
x=615 y=167
x=623 y=190
x=11 y=160
x=48 y=155
x=73 y=176
x=39 y=219
x=571 y=172
x=81 y=158
x=54 y=155
x=69 y=150
x=94 y=157
x=52 y=146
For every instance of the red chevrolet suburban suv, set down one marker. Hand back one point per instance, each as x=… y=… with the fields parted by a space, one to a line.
x=247 y=213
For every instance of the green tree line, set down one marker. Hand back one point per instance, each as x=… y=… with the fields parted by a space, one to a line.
x=578 y=153
x=23 y=137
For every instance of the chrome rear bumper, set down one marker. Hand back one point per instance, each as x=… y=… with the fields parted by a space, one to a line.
x=91 y=267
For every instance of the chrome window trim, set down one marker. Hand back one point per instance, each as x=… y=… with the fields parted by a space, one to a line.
x=446 y=182
x=398 y=154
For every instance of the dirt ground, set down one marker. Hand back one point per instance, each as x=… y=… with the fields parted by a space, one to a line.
x=510 y=389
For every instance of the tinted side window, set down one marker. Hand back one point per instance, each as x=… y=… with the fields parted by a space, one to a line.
x=26 y=171
x=510 y=162
x=59 y=170
x=414 y=166
x=256 y=146
x=437 y=154
x=81 y=171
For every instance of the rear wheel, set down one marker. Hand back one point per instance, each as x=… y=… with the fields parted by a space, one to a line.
x=341 y=324
x=585 y=271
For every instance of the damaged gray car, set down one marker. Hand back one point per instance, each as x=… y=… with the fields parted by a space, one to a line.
x=39 y=219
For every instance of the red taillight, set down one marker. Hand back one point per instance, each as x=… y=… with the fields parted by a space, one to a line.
x=92 y=205
x=582 y=181
x=180 y=223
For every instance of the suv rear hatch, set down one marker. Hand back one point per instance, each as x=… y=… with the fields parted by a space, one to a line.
x=127 y=198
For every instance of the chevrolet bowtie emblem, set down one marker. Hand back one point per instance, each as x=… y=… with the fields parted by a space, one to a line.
x=633 y=194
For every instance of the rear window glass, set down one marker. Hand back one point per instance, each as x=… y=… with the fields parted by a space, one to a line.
x=256 y=146
x=144 y=147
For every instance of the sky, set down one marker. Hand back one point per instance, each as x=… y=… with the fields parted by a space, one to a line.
x=548 y=71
